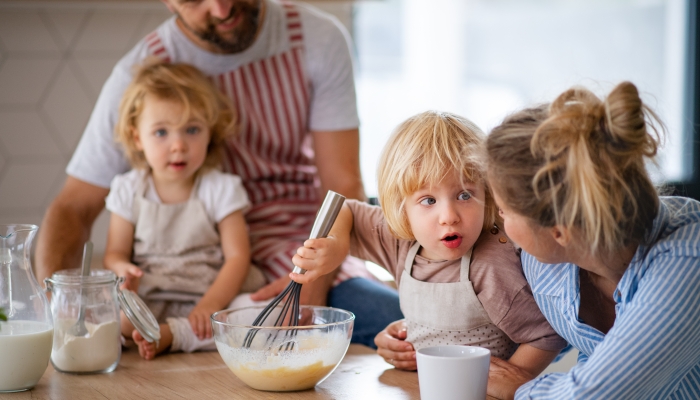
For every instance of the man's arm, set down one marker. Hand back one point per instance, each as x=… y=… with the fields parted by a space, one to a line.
x=338 y=163
x=67 y=225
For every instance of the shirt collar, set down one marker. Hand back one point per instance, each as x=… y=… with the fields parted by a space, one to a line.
x=562 y=280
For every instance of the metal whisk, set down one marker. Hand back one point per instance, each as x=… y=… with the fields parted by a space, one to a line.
x=290 y=308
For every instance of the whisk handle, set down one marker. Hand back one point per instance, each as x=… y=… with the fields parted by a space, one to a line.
x=325 y=219
x=327 y=214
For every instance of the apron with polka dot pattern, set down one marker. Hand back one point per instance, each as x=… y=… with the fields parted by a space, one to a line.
x=440 y=314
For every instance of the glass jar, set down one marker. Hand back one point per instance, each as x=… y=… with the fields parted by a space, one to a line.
x=99 y=349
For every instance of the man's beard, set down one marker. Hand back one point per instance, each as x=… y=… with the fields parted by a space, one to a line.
x=243 y=35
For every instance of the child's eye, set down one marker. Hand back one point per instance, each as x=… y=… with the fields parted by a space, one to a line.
x=464 y=196
x=193 y=130
x=160 y=132
x=428 y=201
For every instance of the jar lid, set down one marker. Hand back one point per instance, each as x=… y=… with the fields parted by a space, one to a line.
x=139 y=315
x=74 y=277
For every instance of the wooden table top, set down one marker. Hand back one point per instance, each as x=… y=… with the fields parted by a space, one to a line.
x=361 y=375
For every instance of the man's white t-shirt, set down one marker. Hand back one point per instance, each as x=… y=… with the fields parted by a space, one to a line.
x=328 y=64
x=220 y=193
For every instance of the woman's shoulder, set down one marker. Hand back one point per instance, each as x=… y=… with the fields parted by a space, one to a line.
x=677 y=227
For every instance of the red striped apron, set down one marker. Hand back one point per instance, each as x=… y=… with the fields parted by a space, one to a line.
x=272 y=153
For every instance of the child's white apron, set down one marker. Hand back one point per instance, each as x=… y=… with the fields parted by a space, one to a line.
x=438 y=314
x=179 y=251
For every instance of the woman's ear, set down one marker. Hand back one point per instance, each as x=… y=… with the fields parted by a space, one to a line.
x=561 y=235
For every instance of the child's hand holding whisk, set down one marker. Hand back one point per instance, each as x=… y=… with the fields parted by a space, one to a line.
x=323 y=255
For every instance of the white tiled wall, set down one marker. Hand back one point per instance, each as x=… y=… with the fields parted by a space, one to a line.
x=54 y=58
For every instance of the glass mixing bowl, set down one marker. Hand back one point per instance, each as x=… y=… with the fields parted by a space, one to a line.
x=283 y=358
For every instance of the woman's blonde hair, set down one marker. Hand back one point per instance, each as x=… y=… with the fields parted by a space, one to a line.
x=188 y=86
x=423 y=150
x=580 y=163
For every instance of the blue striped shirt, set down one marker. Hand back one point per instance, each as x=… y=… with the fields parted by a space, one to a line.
x=653 y=349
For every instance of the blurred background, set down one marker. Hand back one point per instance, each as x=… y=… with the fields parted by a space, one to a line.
x=486 y=58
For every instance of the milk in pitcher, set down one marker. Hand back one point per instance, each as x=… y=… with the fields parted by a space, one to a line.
x=28 y=345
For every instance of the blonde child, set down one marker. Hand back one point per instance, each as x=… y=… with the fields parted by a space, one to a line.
x=459 y=277
x=177 y=231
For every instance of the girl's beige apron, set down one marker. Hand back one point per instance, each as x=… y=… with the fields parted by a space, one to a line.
x=448 y=313
x=179 y=250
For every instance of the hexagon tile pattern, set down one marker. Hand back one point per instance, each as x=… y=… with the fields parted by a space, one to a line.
x=54 y=59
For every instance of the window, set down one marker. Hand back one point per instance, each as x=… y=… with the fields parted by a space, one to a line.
x=486 y=58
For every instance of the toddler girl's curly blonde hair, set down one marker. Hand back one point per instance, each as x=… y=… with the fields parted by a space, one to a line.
x=188 y=86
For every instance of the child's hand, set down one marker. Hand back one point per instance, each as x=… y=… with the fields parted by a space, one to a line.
x=318 y=257
x=200 y=320
x=393 y=347
x=131 y=274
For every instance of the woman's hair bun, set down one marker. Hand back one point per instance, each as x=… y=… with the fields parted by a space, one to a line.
x=627 y=120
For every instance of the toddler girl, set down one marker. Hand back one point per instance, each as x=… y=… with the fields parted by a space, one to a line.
x=460 y=280
x=177 y=231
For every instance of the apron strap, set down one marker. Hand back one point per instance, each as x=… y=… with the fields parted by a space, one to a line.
x=464 y=266
x=408 y=264
x=195 y=187
x=141 y=189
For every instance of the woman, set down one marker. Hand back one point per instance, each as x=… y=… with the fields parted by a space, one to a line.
x=614 y=267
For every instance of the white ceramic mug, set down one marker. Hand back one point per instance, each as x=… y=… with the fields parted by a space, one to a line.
x=453 y=372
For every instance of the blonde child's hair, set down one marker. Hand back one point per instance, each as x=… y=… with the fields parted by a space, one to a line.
x=580 y=163
x=188 y=86
x=423 y=150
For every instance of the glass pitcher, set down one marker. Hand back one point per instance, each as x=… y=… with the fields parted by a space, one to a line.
x=27 y=335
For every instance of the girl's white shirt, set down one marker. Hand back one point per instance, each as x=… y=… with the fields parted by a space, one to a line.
x=220 y=193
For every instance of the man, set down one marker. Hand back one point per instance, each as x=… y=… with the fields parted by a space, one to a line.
x=288 y=70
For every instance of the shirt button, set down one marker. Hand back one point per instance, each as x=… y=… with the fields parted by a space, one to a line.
x=502 y=239
x=494 y=230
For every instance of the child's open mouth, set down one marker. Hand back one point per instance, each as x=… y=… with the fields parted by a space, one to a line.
x=178 y=165
x=452 y=241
